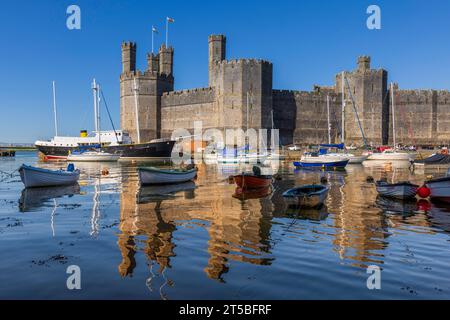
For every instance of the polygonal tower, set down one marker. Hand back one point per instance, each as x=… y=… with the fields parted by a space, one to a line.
x=145 y=88
x=217 y=54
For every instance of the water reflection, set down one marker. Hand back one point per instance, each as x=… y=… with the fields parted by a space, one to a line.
x=32 y=199
x=251 y=228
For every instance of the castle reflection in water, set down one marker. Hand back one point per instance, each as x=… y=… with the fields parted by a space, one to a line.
x=239 y=229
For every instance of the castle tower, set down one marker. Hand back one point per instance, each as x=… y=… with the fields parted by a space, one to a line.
x=363 y=63
x=166 y=60
x=128 y=57
x=153 y=63
x=369 y=90
x=152 y=83
x=217 y=53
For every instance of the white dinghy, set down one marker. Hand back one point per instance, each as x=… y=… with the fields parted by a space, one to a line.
x=38 y=177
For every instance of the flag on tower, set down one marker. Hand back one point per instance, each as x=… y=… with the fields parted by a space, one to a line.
x=170 y=19
x=154 y=30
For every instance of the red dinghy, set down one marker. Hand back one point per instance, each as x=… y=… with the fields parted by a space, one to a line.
x=251 y=181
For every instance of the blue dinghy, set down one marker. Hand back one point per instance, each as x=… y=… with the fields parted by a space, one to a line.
x=311 y=196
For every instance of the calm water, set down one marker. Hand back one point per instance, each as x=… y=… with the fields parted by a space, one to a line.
x=197 y=241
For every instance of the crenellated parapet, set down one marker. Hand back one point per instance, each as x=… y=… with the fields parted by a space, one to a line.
x=188 y=97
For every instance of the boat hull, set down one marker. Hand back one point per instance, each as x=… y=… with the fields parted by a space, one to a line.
x=36 y=177
x=439 y=189
x=160 y=149
x=252 y=182
x=93 y=158
x=155 y=176
x=391 y=156
x=306 y=199
x=401 y=191
x=357 y=159
x=321 y=164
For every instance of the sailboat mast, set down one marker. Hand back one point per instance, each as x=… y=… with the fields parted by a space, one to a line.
x=54 y=109
x=393 y=115
x=328 y=119
x=94 y=92
x=136 y=111
x=98 y=115
x=343 y=108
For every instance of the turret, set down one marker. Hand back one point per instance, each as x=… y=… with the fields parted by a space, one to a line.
x=165 y=60
x=217 y=51
x=128 y=57
x=153 y=62
x=363 y=63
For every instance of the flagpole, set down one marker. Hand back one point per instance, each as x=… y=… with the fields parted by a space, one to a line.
x=167 y=32
x=152 y=37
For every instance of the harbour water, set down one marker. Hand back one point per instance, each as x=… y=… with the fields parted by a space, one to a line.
x=197 y=241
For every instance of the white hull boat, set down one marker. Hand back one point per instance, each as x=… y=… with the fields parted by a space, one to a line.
x=439 y=188
x=401 y=190
x=151 y=175
x=392 y=155
x=357 y=159
x=93 y=156
x=38 y=177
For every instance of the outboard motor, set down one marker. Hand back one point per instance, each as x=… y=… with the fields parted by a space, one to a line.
x=70 y=167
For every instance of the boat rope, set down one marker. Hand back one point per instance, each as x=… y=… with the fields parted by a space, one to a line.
x=109 y=114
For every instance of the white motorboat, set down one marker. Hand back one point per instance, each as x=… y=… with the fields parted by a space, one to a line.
x=94 y=156
x=39 y=177
x=152 y=175
x=400 y=190
x=389 y=155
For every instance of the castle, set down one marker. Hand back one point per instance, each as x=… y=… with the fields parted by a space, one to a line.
x=241 y=89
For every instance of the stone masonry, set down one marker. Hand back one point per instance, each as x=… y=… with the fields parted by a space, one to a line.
x=422 y=116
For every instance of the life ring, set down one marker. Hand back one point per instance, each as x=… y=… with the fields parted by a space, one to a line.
x=444 y=151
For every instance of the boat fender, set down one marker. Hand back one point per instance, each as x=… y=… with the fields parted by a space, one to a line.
x=423 y=205
x=423 y=192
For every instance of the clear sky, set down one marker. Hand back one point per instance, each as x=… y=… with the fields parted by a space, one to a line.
x=308 y=41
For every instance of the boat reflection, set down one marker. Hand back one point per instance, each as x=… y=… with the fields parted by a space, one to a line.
x=153 y=193
x=33 y=199
x=397 y=206
x=313 y=214
x=246 y=194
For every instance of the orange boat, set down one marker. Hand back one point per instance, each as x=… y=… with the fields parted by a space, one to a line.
x=251 y=181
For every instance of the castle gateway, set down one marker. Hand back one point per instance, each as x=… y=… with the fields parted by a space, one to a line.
x=422 y=116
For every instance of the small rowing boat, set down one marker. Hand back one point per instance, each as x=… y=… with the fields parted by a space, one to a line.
x=439 y=188
x=400 y=190
x=38 y=177
x=251 y=181
x=310 y=196
x=152 y=175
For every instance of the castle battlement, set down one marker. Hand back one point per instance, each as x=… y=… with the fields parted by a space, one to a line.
x=300 y=115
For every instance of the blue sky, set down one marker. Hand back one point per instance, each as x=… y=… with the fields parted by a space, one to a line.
x=308 y=42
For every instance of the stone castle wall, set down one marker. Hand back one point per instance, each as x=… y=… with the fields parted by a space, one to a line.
x=241 y=94
x=421 y=116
